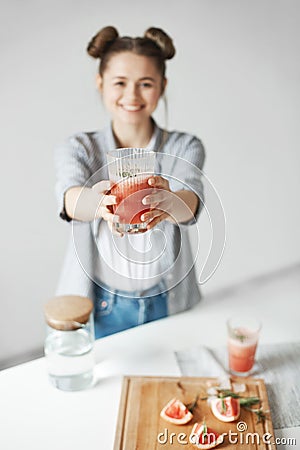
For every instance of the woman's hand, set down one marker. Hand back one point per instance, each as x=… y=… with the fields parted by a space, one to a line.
x=176 y=207
x=160 y=202
x=105 y=203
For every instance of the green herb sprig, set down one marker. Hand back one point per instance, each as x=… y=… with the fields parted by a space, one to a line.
x=261 y=416
x=240 y=337
x=204 y=429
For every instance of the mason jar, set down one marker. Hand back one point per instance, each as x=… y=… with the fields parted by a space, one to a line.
x=69 y=342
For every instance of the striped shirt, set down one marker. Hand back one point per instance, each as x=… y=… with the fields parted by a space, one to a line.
x=81 y=161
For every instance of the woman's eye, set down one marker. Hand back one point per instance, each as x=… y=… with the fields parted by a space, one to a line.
x=119 y=83
x=146 y=85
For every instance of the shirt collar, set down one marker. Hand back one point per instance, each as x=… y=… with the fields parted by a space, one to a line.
x=153 y=145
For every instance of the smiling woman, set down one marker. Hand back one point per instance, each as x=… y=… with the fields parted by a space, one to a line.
x=141 y=277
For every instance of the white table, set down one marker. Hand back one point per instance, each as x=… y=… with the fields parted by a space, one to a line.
x=34 y=415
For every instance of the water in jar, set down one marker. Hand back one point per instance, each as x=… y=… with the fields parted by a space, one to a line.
x=70 y=359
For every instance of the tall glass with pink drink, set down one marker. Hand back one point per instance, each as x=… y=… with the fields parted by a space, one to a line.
x=243 y=334
x=129 y=170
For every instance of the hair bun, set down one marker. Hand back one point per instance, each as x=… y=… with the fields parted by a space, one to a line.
x=162 y=40
x=98 y=44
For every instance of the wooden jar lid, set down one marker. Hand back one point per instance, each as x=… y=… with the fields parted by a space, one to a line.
x=68 y=312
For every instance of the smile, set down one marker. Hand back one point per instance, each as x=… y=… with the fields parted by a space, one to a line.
x=132 y=108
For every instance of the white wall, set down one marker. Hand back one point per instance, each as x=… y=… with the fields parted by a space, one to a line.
x=234 y=82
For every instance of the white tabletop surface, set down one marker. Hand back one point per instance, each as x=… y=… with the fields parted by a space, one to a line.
x=35 y=415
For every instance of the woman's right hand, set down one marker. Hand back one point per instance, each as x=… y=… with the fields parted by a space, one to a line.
x=106 y=202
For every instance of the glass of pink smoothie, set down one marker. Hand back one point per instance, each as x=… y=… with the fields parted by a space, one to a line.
x=243 y=333
x=129 y=170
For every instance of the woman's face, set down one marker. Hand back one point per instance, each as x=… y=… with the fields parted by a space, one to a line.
x=131 y=87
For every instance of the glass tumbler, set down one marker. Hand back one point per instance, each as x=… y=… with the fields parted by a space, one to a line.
x=243 y=334
x=129 y=169
x=69 y=342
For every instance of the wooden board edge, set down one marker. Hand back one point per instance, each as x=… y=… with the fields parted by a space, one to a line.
x=268 y=425
x=122 y=413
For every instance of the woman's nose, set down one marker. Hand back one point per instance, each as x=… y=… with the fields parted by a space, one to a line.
x=131 y=91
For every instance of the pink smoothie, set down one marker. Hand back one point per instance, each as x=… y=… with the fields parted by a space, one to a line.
x=241 y=349
x=130 y=194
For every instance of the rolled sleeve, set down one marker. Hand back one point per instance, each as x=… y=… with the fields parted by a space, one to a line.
x=185 y=168
x=71 y=160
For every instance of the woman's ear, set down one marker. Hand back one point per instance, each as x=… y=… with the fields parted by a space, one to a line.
x=163 y=87
x=99 y=82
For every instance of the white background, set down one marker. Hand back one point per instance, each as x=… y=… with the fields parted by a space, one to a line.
x=234 y=83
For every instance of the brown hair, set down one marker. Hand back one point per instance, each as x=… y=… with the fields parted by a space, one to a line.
x=155 y=44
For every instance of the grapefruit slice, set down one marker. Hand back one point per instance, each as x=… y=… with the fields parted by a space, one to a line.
x=226 y=409
x=176 y=412
x=204 y=437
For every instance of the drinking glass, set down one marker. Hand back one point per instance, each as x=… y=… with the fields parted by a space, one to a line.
x=243 y=334
x=129 y=169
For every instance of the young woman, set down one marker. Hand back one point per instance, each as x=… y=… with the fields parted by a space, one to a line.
x=132 y=279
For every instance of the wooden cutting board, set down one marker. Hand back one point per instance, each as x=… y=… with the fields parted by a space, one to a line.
x=140 y=426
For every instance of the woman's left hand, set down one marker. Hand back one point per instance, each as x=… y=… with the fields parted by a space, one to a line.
x=160 y=202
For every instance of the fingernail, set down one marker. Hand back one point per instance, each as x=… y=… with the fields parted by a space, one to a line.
x=151 y=181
